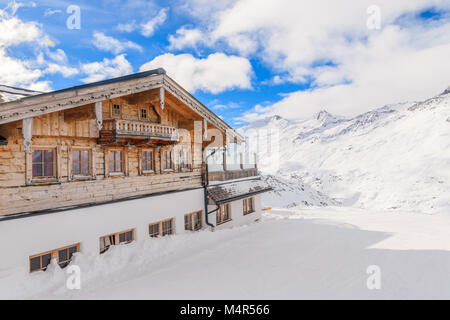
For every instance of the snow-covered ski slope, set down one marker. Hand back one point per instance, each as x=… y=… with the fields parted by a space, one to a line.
x=393 y=158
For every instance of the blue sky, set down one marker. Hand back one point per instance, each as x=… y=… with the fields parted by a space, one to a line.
x=293 y=61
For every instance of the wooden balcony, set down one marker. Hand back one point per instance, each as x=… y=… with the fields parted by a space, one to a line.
x=233 y=175
x=116 y=129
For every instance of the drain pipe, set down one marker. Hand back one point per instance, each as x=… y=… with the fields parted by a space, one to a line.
x=205 y=190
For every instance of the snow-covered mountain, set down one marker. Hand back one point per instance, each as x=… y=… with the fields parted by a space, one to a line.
x=396 y=157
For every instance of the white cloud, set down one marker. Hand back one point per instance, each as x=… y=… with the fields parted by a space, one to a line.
x=185 y=38
x=108 y=68
x=58 y=55
x=49 y=12
x=148 y=28
x=327 y=43
x=13 y=71
x=127 y=27
x=14 y=31
x=231 y=105
x=216 y=73
x=66 y=71
x=110 y=44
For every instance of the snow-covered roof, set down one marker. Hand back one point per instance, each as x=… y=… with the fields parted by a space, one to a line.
x=236 y=190
x=8 y=93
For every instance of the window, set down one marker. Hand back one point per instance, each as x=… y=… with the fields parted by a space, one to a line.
x=143 y=113
x=115 y=159
x=223 y=214
x=167 y=227
x=193 y=221
x=147 y=161
x=116 y=238
x=63 y=256
x=162 y=228
x=249 y=206
x=80 y=162
x=44 y=163
x=184 y=160
x=154 y=230
x=167 y=160
x=116 y=109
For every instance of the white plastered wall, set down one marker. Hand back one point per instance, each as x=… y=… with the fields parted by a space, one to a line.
x=237 y=214
x=28 y=236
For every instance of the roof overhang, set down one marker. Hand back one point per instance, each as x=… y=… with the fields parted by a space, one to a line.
x=237 y=190
x=114 y=88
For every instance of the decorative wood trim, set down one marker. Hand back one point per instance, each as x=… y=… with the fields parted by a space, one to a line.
x=58 y=162
x=35 y=106
x=99 y=115
x=162 y=97
x=27 y=132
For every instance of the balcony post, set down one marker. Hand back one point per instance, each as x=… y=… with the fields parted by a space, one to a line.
x=27 y=133
x=99 y=115
x=224 y=164
x=162 y=97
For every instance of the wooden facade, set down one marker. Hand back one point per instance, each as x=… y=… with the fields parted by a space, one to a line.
x=92 y=144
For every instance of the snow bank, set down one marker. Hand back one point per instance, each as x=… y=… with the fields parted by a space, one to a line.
x=317 y=253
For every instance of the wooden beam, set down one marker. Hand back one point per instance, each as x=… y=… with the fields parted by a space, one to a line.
x=99 y=115
x=162 y=97
x=27 y=133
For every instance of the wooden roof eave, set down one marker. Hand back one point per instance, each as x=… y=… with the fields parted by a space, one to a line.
x=68 y=99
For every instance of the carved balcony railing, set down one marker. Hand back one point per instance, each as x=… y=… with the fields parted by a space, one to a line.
x=117 y=128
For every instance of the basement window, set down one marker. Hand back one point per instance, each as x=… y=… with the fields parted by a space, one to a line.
x=123 y=237
x=249 y=205
x=193 y=221
x=162 y=228
x=63 y=256
x=223 y=215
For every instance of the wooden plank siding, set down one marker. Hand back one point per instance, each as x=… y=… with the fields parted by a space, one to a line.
x=70 y=129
